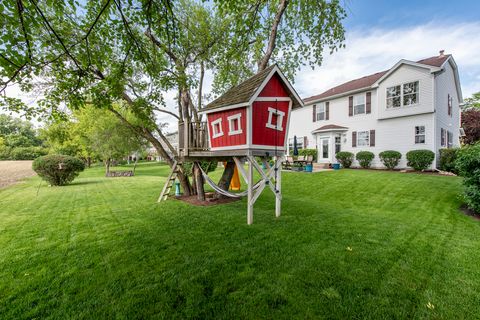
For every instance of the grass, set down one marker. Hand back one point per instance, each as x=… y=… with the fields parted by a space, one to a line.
x=350 y=244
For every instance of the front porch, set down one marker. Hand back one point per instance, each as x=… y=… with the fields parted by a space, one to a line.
x=329 y=140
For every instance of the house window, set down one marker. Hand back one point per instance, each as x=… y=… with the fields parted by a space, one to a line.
x=394 y=97
x=410 y=93
x=363 y=138
x=217 y=128
x=275 y=119
x=321 y=111
x=450 y=102
x=420 y=134
x=234 y=125
x=443 y=138
x=404 y=95
x=359 y=104
x=449 y=139
x=338 y=144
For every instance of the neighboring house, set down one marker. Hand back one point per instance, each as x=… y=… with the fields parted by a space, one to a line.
x=413 y=105
x=172 y=138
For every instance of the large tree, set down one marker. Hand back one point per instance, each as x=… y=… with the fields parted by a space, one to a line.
x=98 y=52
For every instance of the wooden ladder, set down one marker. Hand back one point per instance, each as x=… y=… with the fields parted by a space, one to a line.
x=169 y=183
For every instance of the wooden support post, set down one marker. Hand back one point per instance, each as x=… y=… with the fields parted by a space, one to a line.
x=278 y=196
x=250 y=191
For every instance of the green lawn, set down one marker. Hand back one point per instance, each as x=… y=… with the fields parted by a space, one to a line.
x=103 y=248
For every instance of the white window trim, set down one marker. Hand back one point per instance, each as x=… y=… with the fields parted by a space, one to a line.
x=231 y=119
x=401 y=96
x=364 y=104
x=424 y=134
x=214 y=124
x=368 y=138
x=279 y=114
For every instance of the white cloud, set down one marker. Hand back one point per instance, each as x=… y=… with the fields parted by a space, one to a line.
x=370 y=51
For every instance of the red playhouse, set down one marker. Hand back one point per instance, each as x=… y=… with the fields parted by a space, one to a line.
x=249 y=120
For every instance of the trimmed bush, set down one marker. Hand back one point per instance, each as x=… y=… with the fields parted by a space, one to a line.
x=365 y=158
x=307 y=152
x=345 y=158
x=390 y=158
x=420 y=159
x=58 y=170
x=468 y=166
x=447 y=159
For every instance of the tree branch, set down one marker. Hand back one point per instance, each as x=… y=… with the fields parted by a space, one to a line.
x=263 y=63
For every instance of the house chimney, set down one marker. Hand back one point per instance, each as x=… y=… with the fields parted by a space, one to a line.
x=442 y=53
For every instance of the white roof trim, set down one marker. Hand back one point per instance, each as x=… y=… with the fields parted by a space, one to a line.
x=407 y=62
x=329 y=130
x=232 y=106
x=287 y=83
x=338 y=95
x=455 y=75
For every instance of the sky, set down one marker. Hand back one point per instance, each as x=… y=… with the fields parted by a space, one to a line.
x=380 y=33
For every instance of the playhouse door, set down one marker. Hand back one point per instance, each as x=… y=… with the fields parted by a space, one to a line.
x=324 y=150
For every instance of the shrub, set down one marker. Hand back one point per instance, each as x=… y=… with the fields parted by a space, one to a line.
x=447 y=159
x=420 y=159
x=390 y=158
x=468 y=166
x=27 y=153
x=58 y=170
x=365 y=158
x=307 y=152
x=345 y=158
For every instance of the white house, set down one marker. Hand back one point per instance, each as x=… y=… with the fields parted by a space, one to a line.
x=413 y=105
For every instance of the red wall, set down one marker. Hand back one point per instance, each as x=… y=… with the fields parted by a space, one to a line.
x=274 y=88
x=262 y=135
x=226 y=140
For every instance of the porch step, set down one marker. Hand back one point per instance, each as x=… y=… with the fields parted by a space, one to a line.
x=320 y=166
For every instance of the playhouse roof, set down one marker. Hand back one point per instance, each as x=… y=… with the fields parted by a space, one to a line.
x=245 y=91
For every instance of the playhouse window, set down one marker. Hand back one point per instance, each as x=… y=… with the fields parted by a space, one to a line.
x=234 y=126
x=275 y=119
x=217 y=128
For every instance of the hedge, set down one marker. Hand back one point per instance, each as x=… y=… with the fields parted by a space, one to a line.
x=345 y=158
x=447 y=159
x=365 y=158
x=390 y=158
x=468 y=166
x=307 y=152
x=58 y=170
x=420 y=159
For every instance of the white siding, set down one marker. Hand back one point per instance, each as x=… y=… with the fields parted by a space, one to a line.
x=445 y=85
x=405 y=74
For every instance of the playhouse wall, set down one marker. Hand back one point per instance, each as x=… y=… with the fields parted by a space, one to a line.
x=227 y=140
x=274 y=88
x=261 y=134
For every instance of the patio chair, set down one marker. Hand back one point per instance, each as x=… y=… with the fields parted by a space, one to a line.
x=309 y=159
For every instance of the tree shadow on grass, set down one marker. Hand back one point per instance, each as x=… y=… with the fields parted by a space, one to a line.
x=79 y=183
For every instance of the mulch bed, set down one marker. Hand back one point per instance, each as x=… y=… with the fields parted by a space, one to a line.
x=469 y=212
x=210 y=200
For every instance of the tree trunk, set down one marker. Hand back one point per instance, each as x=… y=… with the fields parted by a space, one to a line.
x=89 y=162
x=107 y=167
x=226 y=178
x=199 y=181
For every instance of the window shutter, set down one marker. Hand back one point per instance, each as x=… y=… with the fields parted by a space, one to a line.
x=442 y=138
x=372 y=138
x=354 y=139
x=305 y=142
x=327 y=110
x=350 y=106
x=369 y=102
x=314 y=112
x=449 y=104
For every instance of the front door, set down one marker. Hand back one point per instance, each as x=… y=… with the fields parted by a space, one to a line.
x=324 y=149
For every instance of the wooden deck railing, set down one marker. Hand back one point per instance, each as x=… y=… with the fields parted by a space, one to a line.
x=192 y=136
